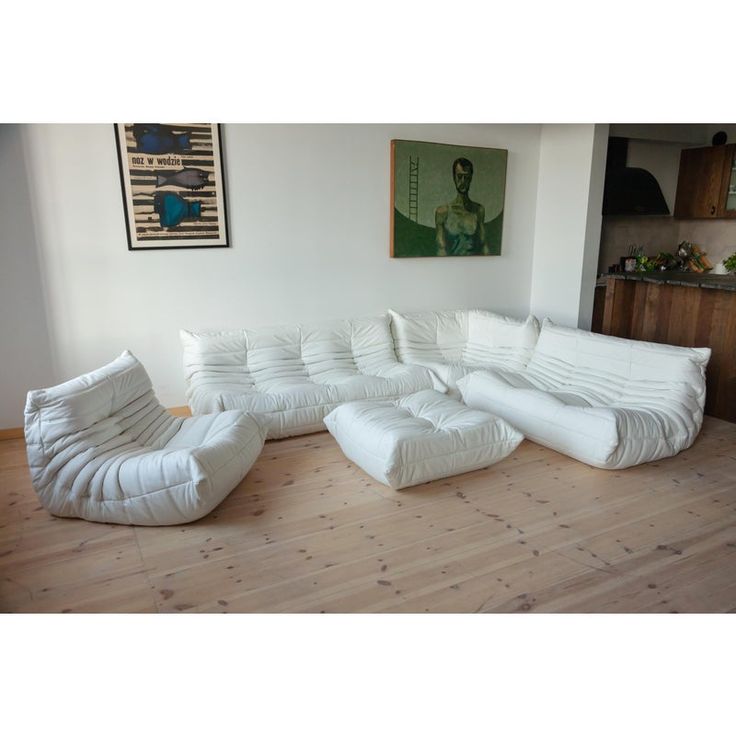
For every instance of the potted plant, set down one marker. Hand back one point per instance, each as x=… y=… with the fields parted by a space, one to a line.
x=644 y=263
x=730 y=263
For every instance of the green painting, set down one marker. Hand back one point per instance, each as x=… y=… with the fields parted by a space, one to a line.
x=447 y=200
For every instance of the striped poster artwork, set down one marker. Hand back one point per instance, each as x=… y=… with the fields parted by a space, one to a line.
x=172 y=181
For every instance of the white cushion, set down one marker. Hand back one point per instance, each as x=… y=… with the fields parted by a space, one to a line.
x=606 y=401
x=101 y=447
x=499 y=340
x=293 y=376
x=419 y=438
x=455 y=343
x=430 y=336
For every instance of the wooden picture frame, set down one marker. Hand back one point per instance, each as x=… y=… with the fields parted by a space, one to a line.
x=173 y=187
x=446 y=200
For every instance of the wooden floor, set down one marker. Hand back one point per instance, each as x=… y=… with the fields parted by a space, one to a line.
x=308 y=531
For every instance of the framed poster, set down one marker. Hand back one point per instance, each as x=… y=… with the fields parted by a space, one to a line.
x=446 y=200
x=173 y=188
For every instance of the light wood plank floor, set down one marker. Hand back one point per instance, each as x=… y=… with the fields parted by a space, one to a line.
x=308 y=531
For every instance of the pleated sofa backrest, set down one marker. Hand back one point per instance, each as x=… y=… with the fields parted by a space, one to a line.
x=498 y=340
x=269 y=356
x=615 y=367
x=430 y=336
x=84 y=401
x=472 y=336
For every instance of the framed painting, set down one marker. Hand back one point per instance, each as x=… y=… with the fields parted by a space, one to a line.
x=173 y=186
x=446 y=200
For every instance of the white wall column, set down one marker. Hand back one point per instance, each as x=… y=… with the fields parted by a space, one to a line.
x=572 y=163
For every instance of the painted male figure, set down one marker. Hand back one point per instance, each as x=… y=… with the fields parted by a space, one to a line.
x=459 y=225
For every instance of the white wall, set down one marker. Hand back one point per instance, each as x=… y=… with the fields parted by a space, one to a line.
x=309 y=221
x=572 y=163
x=593 y=224
x=662 y=160
x=27 y=358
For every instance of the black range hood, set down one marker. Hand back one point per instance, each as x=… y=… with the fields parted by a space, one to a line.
x=629 y=190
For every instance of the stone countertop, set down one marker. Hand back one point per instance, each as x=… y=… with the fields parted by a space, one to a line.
x=678 y=278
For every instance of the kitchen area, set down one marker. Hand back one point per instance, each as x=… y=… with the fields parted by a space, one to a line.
x=667 y=259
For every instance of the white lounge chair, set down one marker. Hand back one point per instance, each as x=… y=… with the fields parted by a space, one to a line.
x=102 y=448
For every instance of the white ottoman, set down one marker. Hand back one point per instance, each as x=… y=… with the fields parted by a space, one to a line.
x=420 y=437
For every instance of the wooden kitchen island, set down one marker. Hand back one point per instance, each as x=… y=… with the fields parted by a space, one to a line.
x=692 y=310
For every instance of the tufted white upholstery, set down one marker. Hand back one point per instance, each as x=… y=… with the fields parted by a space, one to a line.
x=606 y=401
x=419 y=438
x=454 y=343
x=102 y=448
x=294 y=376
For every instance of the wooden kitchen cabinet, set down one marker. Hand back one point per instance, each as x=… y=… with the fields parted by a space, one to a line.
x=706 y=184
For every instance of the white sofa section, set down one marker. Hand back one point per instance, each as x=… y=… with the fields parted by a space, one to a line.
x=606 y=401
x=102 y=448
x=294 y=376
x=454 y=343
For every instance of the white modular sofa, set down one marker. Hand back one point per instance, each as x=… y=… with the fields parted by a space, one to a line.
x=454 y=343
x=292 y=377
x=606 y=401
x=101 y=447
